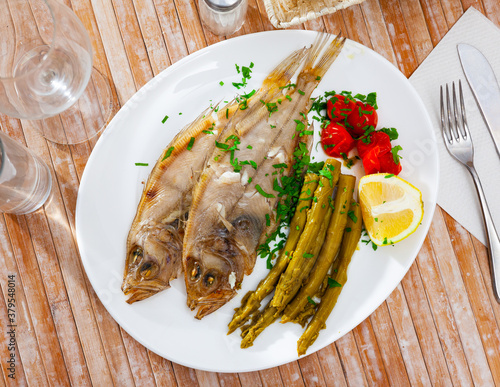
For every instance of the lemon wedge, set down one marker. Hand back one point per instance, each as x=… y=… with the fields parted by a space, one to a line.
x=391 y=207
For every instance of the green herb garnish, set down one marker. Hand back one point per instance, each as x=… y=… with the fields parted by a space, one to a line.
x=191 y=143
x=168 y=153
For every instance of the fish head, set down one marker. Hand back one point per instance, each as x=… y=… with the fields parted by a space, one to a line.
x=214 y=272
x=152 y=261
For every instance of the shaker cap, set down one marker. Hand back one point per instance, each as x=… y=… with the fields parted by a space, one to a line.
x=223 y=5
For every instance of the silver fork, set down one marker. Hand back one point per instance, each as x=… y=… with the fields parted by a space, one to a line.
x=459 y=143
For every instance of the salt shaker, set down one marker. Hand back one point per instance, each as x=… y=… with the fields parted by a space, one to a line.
x=223 y=17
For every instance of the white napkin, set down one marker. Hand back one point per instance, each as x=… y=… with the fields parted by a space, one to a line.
x=457 y=195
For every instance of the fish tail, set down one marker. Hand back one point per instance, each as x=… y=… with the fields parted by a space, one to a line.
x=284 y=72
x=272 y=85
x=331 y=53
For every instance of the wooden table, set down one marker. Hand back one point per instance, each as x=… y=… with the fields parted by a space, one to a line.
x=439 y=326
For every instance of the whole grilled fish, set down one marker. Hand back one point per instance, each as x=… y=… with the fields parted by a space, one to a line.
x=154 y=243
x=235 y=198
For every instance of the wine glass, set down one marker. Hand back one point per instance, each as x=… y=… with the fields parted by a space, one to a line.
x=46 y=72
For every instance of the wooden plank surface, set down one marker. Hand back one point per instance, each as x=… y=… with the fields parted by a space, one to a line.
x=440 y=326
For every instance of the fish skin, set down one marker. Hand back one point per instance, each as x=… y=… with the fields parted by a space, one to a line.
x=227 y=218
x=154 y=243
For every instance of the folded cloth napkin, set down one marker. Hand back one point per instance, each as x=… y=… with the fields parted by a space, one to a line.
x=457 y=195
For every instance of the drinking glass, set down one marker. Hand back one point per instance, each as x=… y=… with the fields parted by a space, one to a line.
x=25 y=180
x=46 y=72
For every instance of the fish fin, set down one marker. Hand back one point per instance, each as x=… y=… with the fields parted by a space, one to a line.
x=283 y=73
x=206 y=309
x=227 y=111
x=176 y=147
x=139 y=294
x=331 y=52
x=197 y=195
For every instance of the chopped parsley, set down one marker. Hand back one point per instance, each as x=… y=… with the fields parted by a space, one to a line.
x=221 y=145
x=288 y=86
x=168 y=153
x=395 y=154
x=353 y=217
x=391 y=132
x=271 y=107
x=333 y=284
x=191 y=143
x=289 y=190
x=246 y=75
x=262 y=192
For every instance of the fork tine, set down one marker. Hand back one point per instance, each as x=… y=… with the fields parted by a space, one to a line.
x=465 y=126
x=445 y=133
x=451 y=130
x=456 y=127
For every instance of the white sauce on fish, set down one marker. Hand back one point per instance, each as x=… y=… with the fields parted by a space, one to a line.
x=273 y=151
x=229 y=177
x=232 y=279
x=244 y=178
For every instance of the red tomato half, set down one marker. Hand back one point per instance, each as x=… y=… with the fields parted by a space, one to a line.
x=388 y=165
x=371 y=162
x=379 y=140
x=339 y=107
x=335 y=139
x=361 y=118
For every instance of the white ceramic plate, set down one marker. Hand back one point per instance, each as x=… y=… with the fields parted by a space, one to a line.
x=112 y=185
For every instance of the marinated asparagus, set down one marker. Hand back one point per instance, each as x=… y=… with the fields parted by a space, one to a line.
x=329 y=299
x=328 y=251
x=252 y=300
x=305 y=255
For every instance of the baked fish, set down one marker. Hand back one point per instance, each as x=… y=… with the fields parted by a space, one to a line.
x=235 y=198
x=154 y=243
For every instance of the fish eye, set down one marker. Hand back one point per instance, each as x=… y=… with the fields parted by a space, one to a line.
x=243 y=224
x=209 y=280
x=148 y=270
x=137 y=253
x=195 y=272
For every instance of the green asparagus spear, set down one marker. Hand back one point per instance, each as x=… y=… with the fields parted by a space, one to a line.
x=310 y=241
x=251 y=302
x=265 y=318
x=304 y=316
x=329 y=250
x=329 y=299
x=270 y=313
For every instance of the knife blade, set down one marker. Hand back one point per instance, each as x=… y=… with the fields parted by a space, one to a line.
x=485 y=88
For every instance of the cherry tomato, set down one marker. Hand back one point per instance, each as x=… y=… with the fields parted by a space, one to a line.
x=388 y=165
x=335 y=140
x=361 y=118
x=339 y=107
x=371 y=162
x=379 y=140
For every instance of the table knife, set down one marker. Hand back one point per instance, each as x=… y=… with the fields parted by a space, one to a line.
x=484 y=85
x=485 y=88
